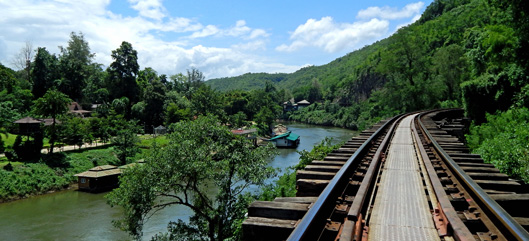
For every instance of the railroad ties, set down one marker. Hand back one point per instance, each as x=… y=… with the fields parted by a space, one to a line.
x=275 y=220
x=337 y=197
x=446 y=128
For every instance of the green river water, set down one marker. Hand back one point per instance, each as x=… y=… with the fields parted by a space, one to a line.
x=74 y=215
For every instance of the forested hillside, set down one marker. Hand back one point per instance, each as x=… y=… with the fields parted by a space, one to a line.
x=472 y=54
x=461 y=53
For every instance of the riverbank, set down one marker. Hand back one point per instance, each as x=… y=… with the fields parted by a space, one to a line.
x=52 y=173
x=71 y=186
x=74 y=215
x=56 y=173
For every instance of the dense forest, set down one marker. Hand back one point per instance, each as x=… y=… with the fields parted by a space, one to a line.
x=472 y=54
x=461 y=53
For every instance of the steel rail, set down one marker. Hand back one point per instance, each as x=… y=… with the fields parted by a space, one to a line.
x=353 y=226
x=312 y=217
x=457 y=226
x=367 y=183
x=515 y=230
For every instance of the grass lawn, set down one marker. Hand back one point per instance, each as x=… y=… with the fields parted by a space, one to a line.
x=11 y=140
x=149 y=140
x=4 y=162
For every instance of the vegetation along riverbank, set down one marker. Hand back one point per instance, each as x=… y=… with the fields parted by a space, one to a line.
x=470 y=54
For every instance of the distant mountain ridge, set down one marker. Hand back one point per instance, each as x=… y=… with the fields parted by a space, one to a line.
x=332 y=72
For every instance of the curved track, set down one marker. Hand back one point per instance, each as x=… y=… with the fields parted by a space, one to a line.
x=353 y=194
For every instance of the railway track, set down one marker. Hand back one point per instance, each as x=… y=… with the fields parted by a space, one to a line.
x=346 y=195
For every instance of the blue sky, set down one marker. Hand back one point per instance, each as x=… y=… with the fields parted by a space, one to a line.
x=220 y=38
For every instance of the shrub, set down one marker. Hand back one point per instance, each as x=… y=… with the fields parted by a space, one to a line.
x=504 y=141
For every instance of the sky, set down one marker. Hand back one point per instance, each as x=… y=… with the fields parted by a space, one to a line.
x=220 y=38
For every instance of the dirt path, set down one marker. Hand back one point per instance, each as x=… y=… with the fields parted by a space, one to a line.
x=70 y=148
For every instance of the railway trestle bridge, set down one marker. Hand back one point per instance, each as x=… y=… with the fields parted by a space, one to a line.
x=410 y=177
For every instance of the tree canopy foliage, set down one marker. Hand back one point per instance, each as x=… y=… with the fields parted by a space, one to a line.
x=205 y=168
x=461 y=53
x=53 y=104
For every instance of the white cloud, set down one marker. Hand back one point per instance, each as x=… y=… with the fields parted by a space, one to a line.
x=205 y=32
x=386 y=12
x=212 y=61
x=334 y=37
x=180 y=25
x=49 y=24
x=239 y=30
x=250 y=46
x=149 y=8
x=256 y=33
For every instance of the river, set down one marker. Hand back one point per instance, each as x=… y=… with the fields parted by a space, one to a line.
x=74 y=215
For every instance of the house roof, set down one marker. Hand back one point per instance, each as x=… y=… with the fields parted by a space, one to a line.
x=100 y=171
x=303 y=102
x=292 y=137
x=49 y=121
x=289 y=135
x=160 y=127
x=28 y=120
x=243 y=132
x=74 y=107
x=31 y=120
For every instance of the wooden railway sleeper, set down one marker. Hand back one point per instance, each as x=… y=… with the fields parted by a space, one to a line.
x=472 y=215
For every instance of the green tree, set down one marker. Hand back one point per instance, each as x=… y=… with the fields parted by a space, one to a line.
x=235 y=101
x=95 y=90
x=122 y=73
x=178 y=83
x=176 y=108
x=450 y=65
x=195 y=78
x=8 y=82
x=138 y=111
x=517 y=19
x=259 y=99
x=30 y=148
x=175 y=113
x=53 y=104
x=264 y=119
x=145 y=78
x=206 y=101
x=238 y=119
x=496 y=78
x=45 y=72
x=126 y=141
x=75 y=61
x=315 y=91
x=201 y=154
x=99 y=128
x=120 y=106
x=405 y=64
x=74 y=131
x=154 y=98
